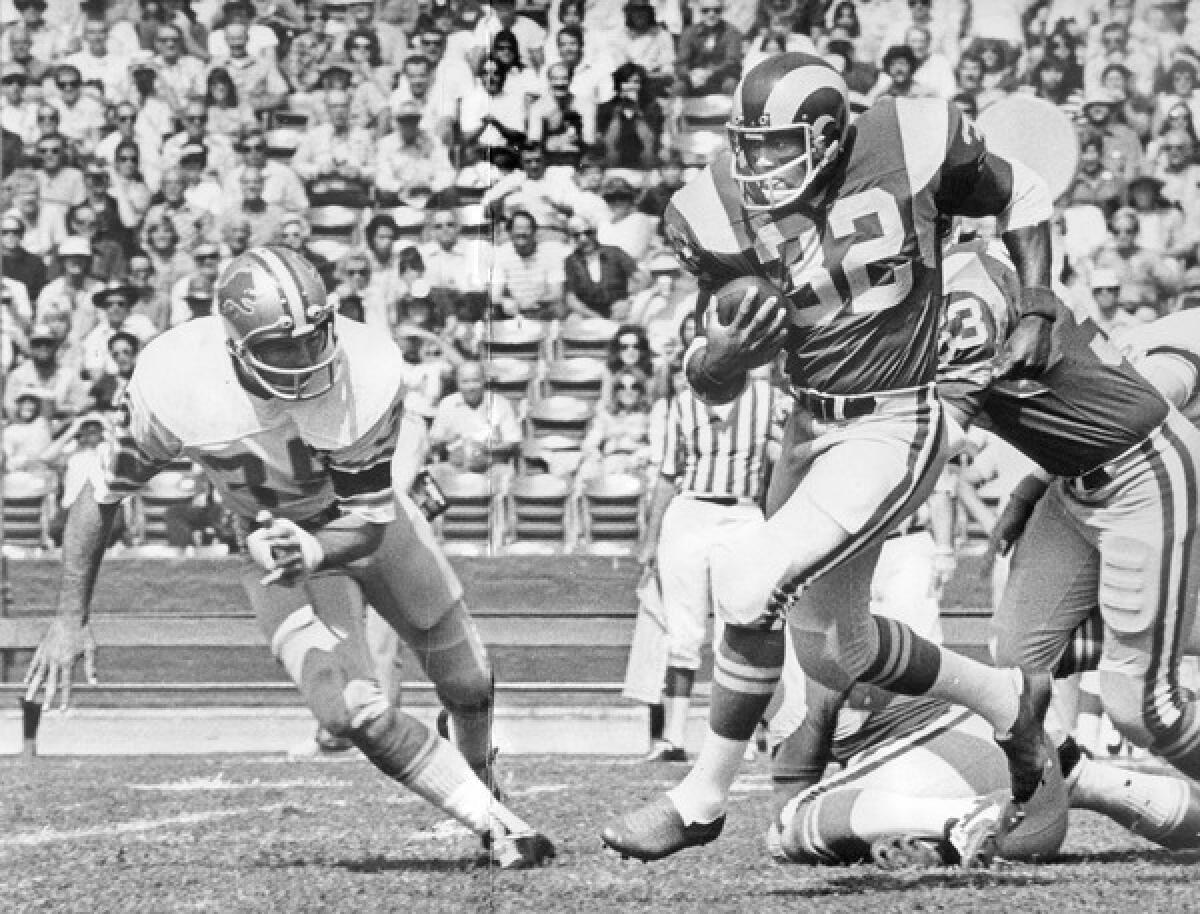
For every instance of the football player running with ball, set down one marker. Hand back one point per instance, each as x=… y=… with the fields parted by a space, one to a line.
x=843 y=220
x=294 y=413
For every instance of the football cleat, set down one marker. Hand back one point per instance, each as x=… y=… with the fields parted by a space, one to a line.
x=662 y=751
x=1026 y=745
x=520 y=852
x=971 y=840
x=656 y=830
x=903 y=852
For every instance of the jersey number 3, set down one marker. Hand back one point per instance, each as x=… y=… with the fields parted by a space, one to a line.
x=845 y=283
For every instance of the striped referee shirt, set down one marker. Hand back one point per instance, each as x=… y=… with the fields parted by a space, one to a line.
x=719 y=450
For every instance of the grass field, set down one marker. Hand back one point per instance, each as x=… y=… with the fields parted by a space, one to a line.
x=259 y=834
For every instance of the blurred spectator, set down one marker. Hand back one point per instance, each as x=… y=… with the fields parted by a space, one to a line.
x=188 y=221
x=201 y=189
x=370 y=78
x=1181 y=174
x=411 y=163
x=107 y=260
x=336 y=149
x=109 y=226
x=659 y=308
x=1114 y=47
x=309 y=51
x=1162 y=225
x=1094 y=183
x=934 y=73
x=597 y=277
x=166 y=251
x=626 y=228
x=45 y=223
x=361 y=17
x=200 y=297
x=228 y=115
x=18 y=113
x=618 y=437
x=630 y=124
x=452 y=263
x=475 y=428
x=105 y=393
x=265 y=218
x=999 y=69
x=17 y=262
x=26 y=437
x=79 y=452
x=1049 y=81
x=527 y=278
x=1189 y=291
x=897 y=75
x=379 y=297
x=521 y=77
x=258 y=80
x=60 y=184
x=662 y=186
x=709 y=59
x=491 y=114
x=776 y=35
x=55 y=383
x=1060 y=45
x=156 y=109
x=206 y=256
x=48 y=42
x=72 y=291
x=1179 y=83
x=1122 y=148
x=1106 y=292
x=218 y=149
x=179 y=75
x=151 y=303
x=16 y=311
x=115 y=301
x=563 y=128
x=1141 y=272
x=19 y=39
x=282 y=187
x=647 y=43
x=438 y=114
x=1179 y=117
x=860 y=75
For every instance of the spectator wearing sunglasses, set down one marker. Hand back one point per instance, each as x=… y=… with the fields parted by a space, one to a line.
x=282 y=187
x=81 y=115
x=598 y=277
x=413 y=84
x=453 y=263
x=47 y=40
x=128 y=184
x=219 y=153
x=97 y=63
x=131 y=128
x=60 y=184
x=709 y=60
x=114 y=301
x=18 y=113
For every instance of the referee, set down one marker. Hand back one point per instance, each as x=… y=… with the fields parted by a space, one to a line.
x=712 y=478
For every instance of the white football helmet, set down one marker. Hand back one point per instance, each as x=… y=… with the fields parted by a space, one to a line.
x=279 y=322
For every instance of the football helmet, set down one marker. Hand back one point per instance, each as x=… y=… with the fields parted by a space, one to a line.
x=279 y=322
x=788 y=125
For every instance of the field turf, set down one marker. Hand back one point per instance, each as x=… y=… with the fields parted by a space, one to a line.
x=239 y=835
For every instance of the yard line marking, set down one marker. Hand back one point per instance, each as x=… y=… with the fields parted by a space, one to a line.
x=53 y=836
x=218 y=782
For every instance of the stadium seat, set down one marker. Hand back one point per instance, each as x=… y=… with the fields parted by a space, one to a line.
x=580 y=378
x=167 y=490
x=567 y=417
x=586 y=337
x=538 y=514
x=612 y=513
x=25 y=511
x=554 y=454
x=282 y=142
x=514 y=339
x=334 y=221
x=410 y=225
x=469 y=525
x=474 y=224
x=705 y=111
x=511 y=379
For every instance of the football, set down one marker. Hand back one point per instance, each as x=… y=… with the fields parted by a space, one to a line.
x=729 y=296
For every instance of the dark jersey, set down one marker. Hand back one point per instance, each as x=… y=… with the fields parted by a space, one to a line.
x=862 y=269
x=1090 y=406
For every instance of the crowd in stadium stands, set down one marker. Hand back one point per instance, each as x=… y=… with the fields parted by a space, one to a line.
x=471 y=175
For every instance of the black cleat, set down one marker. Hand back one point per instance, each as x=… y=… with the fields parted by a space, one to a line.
x=520 y=852
x=656 y=830
x=666 y=752
x=1026 y=745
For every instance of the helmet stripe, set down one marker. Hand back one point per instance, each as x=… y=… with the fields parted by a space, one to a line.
x=290 y=287
x=794 y=88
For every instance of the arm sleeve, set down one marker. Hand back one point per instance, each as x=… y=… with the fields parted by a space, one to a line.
x=1175 y=377
x=361 y=473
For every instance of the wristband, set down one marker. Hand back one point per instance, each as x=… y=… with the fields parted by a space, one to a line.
x=1039 y=301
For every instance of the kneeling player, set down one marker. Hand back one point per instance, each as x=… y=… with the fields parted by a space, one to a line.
x=294 y=415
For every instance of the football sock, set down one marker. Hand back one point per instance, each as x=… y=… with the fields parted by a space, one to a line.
x=1162 y=808
x=472 y=732
x=678 y=702
x=746 y=669
x=447 y=781
x=658 y=717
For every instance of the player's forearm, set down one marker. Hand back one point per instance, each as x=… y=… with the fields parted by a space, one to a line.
x=347 y=539
x=1030 y=250
x=84 y=538
x=412 y=447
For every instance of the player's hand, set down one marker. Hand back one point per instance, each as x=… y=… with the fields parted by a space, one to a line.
x=53 y=663
x=754 y=336
x=284 y=549
x=1027 y=352
x=1011 y=524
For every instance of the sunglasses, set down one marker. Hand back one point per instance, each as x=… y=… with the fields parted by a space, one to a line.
x=47 y=117
x=441 y=225
x=120 y=351
x=359 y=271
x=125 y=118
x=127 y=158
x=360 y=46
x=628 y=344
x=51 y=151
x=255 y=147
x=195 y=118
x=711 y=9
x=70 y=84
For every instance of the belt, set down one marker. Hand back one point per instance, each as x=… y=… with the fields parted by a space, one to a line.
x=835 y=407
x=1098 y=477
x=1094 y=479
x=725 y=501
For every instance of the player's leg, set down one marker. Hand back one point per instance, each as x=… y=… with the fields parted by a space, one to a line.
x=316 y=633
x=411 y=585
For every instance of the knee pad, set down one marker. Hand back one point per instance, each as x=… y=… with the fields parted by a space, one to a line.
x=1128 y=604
x=395 y=742
x=744 y=572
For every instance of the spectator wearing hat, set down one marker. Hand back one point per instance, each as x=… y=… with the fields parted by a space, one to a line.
x=17 y=262
x=709 y=59
x=659 y=308
x=200 y=297
x=108 y=258
x=626 y=228
x=258 y=80
x=337 y=149
x=79 y=456
x=1163 y=230
x=1122 y=148
x=261 y=40
x=282 y=187
x=45 y=376
x=1140 y=271
x=47 y=41
x=104 y=394
x=206 y=255
x=598 y=278
x=72 y=290
x=527 y=278
x=629 y=125
x=413 y=85
x=26 y=437
x=97 y=64
x=1103 y=307
x=410 y=162
x=562 y=127
x=265 y=218
x=114 y=300
x=18 y=113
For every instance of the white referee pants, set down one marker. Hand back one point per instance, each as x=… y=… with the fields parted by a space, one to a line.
x=690 y=527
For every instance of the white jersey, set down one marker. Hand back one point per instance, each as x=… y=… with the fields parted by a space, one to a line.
x=1167 y=352
x=296 y=459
